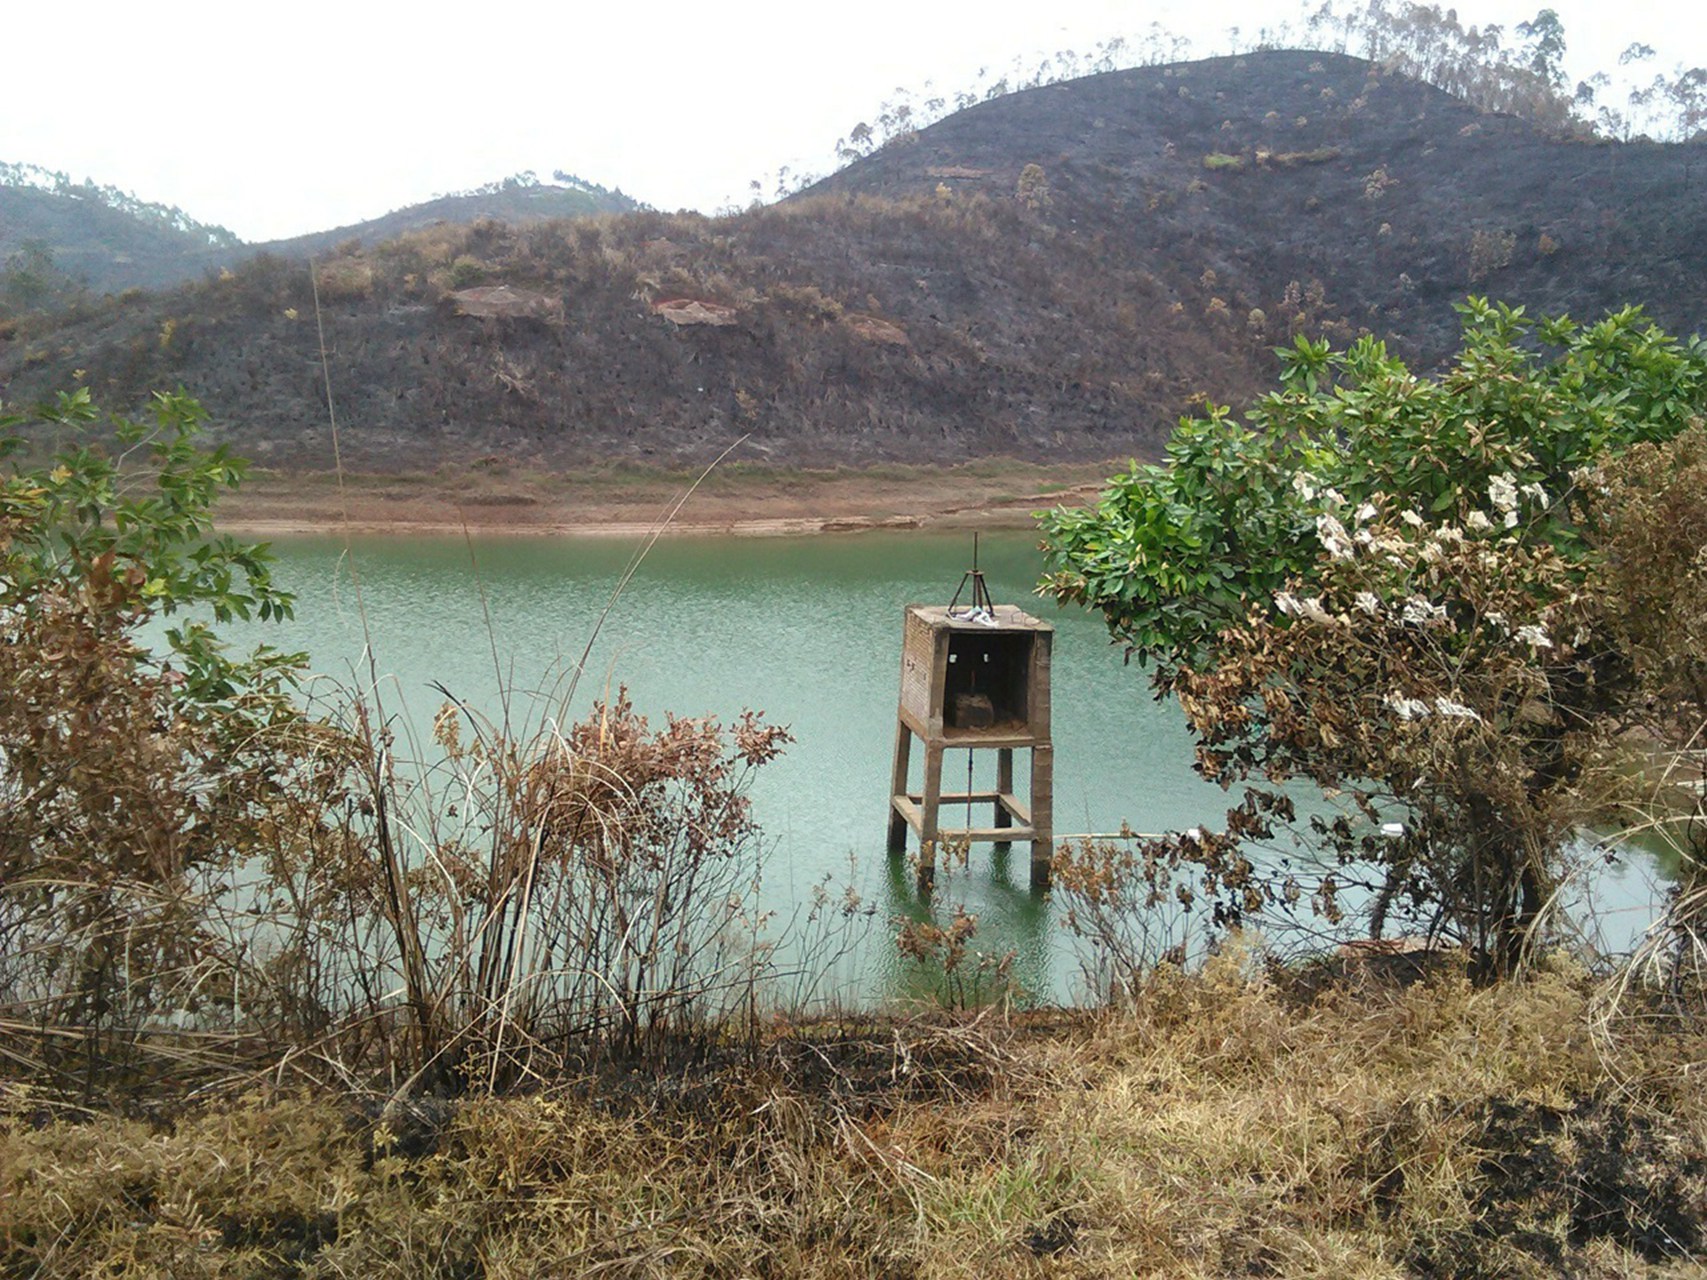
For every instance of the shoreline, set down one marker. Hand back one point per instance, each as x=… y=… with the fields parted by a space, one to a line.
x=621 y=502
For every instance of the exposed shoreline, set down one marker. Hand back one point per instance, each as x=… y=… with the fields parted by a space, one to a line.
x=620 y=502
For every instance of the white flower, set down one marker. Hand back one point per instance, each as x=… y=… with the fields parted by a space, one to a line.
x=1366 y=512
x=1498 y=619
x=1423 y=612
x=1407 y=708
x=1478 y=522
x=1367 y=602
x=1449 y=533
x=1431 y=553
x=1455 y=710
x=1310 y=608
x=1334 y=539
x=1535 y=491
x=1411 y=518
x=1502 y=491
x=1511 y=519
x=1535 y=636
x=1302 y=486
x=1333 y=497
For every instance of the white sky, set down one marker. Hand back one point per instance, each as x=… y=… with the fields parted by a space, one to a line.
x=279 y=119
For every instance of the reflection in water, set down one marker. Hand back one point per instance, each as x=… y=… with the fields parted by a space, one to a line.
x=806 y=630
x=1011 y=919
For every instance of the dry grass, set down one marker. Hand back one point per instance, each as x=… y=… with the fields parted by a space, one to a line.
x=1219 y=1128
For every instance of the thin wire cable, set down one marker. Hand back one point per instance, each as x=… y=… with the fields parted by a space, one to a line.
x=969 y=790
x=338 y=471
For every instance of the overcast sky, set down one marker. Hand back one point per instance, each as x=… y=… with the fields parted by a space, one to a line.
x=278 y=119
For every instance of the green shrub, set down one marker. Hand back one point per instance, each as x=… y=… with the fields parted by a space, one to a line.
x=135 y=778
x=1417 y=637
x=466 y=271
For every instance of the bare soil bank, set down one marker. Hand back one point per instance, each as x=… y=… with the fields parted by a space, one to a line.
x=621 y=500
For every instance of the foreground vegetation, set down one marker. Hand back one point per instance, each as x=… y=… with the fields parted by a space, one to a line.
x=1231 y=1123
x=286 y=991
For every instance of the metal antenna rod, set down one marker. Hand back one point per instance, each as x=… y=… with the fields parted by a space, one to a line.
x=980 y=592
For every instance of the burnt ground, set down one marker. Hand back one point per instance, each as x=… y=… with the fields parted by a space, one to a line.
x=1553 y=1179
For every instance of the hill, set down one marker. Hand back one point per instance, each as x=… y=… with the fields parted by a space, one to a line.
x=68 y=235
x=1054 y=274
x=520 y=198
x=1395 y=198
x=102 y=239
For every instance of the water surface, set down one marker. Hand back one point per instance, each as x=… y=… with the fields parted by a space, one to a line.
x=807 y=630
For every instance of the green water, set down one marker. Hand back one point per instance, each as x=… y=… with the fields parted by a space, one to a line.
x=807 y=630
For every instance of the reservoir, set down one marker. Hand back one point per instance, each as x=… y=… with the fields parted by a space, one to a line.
x=805 y=630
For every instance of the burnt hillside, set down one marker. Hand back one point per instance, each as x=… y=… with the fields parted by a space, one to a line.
x=1293 y=166
x=1058 y=273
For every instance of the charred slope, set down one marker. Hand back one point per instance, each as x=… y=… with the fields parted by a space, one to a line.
x=1055 y=274
x=1393 y=197
x=842 y=330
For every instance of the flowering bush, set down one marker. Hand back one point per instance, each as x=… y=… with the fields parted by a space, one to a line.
x=1382 y=584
